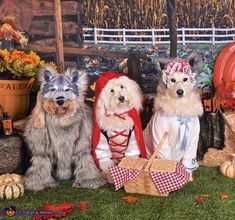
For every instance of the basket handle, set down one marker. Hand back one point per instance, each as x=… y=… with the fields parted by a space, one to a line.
x=150 y=161
x=30 y=83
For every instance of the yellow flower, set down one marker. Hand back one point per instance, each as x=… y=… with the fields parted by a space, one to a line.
x=5 y=54
x=21 y=64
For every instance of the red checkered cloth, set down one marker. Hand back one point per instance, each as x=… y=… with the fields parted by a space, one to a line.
x=167 y=182
x=121 y=175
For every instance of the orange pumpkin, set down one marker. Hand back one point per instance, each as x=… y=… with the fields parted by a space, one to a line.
x=10 y=178
x=225 y=65
x=228 y=168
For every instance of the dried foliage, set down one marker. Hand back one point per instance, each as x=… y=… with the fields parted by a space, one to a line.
x=136 y=14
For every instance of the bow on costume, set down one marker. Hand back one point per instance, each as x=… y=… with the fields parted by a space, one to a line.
x=183 y=122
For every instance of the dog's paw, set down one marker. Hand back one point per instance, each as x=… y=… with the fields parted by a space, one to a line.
x=90 y=183
x=31 y=184
x=191 y=178
x=63 y=174
x=109 y=178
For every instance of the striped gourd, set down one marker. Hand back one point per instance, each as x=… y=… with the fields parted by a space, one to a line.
x=10 y=178
x=228 y=168
x=11 y=190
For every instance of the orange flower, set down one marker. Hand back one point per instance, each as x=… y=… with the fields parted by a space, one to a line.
x=16 y=55
x=31 y=59
x=21 y=64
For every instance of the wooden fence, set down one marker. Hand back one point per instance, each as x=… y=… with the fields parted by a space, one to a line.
x=158 y=36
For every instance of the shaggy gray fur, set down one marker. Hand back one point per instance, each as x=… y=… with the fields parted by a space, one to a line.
x=61 y=149
x=59 y=146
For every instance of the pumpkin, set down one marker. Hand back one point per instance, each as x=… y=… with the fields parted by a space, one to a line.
x=10 y=178
x=228 y=168
x=11 y=190
x=224 y=65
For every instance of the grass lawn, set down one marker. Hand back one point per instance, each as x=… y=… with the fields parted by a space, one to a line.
x=105 y=203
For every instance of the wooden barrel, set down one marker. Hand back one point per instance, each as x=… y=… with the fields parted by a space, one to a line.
x=15 y=97
x=224 y=69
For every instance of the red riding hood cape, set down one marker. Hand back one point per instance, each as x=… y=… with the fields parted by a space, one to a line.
x=100 y=84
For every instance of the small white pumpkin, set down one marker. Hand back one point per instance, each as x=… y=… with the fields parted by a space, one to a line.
x=11 y=190
x=228 y=168
x=10 y=178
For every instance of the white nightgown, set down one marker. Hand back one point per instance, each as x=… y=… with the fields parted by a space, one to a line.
x=182 y=141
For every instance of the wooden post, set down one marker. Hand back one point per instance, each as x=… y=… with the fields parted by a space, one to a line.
x=213 y=36
x=183 y=35
x=171 y=12
x=80 y=16
x=95 y=35
x=124 y=36
x=59 y=36
x=134 y=67
x=153 y=37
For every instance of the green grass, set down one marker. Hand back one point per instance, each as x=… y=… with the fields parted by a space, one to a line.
x=105 y=203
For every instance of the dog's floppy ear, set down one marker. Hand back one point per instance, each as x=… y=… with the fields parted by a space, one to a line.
x=135 y=93
x=37 y=119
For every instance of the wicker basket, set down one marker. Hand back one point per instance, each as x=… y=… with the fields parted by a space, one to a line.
x=143 y=183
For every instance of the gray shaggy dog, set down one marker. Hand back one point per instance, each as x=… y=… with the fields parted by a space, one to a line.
x=59 y=134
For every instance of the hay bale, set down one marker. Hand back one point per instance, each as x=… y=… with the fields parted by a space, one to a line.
x=11 y=154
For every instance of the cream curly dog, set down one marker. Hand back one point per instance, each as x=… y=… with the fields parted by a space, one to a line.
x=59 y=134
x=117 y=128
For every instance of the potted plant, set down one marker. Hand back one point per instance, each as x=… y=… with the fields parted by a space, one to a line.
x=18 y=70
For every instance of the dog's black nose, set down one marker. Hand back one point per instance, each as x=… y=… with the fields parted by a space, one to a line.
x=60 y=102
x=121 y=98
x=180 y=92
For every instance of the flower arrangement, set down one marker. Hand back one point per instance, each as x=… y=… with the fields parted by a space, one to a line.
x=19 y=65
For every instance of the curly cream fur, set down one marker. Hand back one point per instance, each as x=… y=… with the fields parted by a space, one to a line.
x=108 y=103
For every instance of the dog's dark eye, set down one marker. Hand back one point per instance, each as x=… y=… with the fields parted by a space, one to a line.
x=185 y=79
x=112 y=90
x=173 y=80
x=67 y=90
x=52 y=89
x=121 y=87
